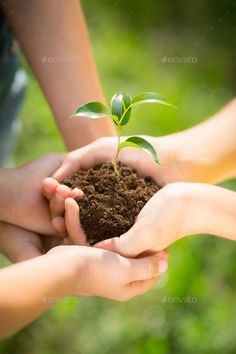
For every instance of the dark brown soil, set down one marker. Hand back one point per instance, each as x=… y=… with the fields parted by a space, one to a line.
x=110 y=204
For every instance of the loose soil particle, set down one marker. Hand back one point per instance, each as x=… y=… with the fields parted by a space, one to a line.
x=110 y=204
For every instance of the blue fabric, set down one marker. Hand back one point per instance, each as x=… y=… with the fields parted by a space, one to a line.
x=12 y=87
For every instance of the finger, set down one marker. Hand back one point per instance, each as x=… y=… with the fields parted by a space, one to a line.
x=146 y=268
x=73 y=225
x=71 y=164
x=77 y=193
x=99 y=151
x=59 y=225
x=163 y=254
x=139 y=287
x=49 y=187
x=57 y=203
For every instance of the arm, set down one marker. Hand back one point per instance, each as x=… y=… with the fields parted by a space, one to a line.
x=195 y=208
x=205 y=153
x=54 y=38
x=29 y=288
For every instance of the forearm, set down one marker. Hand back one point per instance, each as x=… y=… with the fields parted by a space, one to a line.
x=207 y=152
x=54 y=38
x=6 y=195
x=29 y=288
x=211 y=210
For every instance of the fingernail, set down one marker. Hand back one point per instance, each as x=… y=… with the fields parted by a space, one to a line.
x=78 y=193
x=162 y=266
x=50 y=180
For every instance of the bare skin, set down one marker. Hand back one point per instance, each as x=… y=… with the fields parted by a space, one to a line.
x=195 y=208
x=205 y=153
x=54 y=39
x=29 y=288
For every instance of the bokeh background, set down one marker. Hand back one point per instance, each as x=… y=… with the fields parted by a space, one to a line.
x=144 y=45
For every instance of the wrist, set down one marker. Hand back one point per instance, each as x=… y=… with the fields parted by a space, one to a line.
x=183 y=212
x=210 y=210
x=71 y=265
x=185 y=160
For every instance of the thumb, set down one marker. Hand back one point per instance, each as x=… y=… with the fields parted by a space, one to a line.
x=130 y=244
x=67 y=168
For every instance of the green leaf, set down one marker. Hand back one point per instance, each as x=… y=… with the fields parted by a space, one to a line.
x=92 y=110
x=126 y=116
x=117 y=104
x=142 y=144
x=120 y=102
x=149 y=97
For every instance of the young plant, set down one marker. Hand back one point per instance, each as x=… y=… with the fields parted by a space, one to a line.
x=121 y=107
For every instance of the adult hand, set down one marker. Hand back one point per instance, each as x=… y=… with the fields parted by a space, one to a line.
x=77 y=236
x=178 y=210
x=162 y=221
x=103 y=150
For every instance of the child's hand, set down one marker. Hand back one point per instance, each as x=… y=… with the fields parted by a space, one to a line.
x=175 y=211
x=106 y=274
x=103 y=150
x=29 y=288
x=21 y=201
x=56 y=194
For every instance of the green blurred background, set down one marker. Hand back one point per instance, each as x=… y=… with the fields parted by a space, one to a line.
x=192 y=309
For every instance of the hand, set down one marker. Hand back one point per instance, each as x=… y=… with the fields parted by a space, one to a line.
x=163 y=220
x=18 y=244
x=103 y=150
x=22 y=202
x=178 y=210
x=77 y=236
x=109 y=275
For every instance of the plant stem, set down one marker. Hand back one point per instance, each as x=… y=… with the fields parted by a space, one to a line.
x=114 y=164
x=118 y=142
x=114 y=161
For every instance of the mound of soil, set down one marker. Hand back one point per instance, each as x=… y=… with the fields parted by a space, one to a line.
x=111 y=203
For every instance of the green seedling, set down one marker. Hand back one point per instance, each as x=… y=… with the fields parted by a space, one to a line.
x=121 y=108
